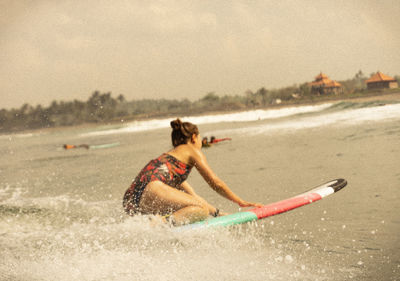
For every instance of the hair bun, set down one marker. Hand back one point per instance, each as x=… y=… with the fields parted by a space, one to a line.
x=176 y=124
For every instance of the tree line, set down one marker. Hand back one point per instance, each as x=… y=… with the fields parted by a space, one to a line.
x=103 y=108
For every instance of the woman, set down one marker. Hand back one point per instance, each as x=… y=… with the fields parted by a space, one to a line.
x=161 y=187
x=205 y=143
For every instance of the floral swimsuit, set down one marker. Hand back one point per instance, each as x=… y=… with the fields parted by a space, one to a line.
x=165 y=168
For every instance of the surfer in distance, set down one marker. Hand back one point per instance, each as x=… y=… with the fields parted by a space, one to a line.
x=205 y=143
x=99 y=146
x=161 y=187
x=71 y=146
x=213 y=140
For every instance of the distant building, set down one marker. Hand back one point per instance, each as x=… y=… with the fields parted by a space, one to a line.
x=323 y=85
x=381 y=81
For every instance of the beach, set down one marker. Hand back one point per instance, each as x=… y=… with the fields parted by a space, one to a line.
x=61 y=211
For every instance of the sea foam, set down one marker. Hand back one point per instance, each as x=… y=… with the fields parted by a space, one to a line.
x=246 y=116
x=346 y=117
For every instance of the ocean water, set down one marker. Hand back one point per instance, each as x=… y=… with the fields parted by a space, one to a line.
x=61 y=215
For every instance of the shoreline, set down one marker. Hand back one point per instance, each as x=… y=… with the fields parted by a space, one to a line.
x=297 y=103
x=332 y=99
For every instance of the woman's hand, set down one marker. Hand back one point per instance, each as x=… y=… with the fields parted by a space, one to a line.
x=249 y=204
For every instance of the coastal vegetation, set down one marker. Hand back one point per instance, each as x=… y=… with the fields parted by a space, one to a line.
x=103 y=108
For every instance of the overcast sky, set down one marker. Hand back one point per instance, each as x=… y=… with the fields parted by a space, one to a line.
x=65 y=50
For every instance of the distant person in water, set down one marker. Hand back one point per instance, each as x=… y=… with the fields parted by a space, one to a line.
x=205 y=143
x=71 y=146
x=213 y=140
x=161 y=187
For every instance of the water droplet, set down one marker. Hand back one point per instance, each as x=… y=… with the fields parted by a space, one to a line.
x=288 y=259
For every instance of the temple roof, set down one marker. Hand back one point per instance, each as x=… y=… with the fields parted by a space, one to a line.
x=321 y=76
x=334 y=84
x=379 y=77
x=323 y=80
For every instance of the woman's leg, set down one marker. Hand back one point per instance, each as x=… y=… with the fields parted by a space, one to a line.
x=159 y=198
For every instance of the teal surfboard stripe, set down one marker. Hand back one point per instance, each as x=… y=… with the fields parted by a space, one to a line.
x=236 y=218
x=107 y=145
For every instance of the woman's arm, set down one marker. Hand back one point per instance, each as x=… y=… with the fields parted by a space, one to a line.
x=216 y=183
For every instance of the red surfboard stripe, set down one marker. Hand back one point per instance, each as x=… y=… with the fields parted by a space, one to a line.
x=285 y=205
x=219 y=140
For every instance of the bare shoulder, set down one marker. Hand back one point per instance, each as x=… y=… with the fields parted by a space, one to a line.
x=197 y=156
x=185 y=154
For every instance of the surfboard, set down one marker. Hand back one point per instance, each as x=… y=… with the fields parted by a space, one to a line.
x=107 y=145
x=219 y=140
x=305 y=198
x=99 y=146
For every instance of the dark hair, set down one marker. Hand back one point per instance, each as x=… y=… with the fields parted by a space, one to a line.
x=182 y=132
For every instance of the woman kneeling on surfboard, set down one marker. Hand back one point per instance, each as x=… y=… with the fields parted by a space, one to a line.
x=161 y=187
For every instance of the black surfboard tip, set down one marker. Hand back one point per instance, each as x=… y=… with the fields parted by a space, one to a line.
x=338 y=184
